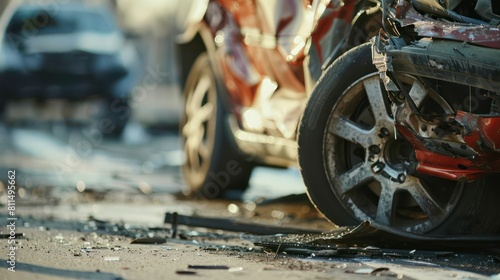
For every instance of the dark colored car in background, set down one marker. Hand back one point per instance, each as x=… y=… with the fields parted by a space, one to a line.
x=70 y=51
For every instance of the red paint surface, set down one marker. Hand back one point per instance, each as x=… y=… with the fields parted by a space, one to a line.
x=457 y=168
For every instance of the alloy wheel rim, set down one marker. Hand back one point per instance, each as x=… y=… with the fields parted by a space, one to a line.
x=365 y=170
x=198 y=131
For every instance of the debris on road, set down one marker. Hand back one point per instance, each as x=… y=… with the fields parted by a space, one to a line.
x=7 y=235
x=186 y=272
x=149 y=240
x=369 y=270
x=368 y=234
x=111 y=258
x=174 y=224
x=219 y=267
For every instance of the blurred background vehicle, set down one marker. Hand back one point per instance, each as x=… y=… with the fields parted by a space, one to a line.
x=51 y=152
x=74 y=52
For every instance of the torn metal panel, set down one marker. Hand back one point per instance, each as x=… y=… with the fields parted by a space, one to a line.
x=475 y=150
x=483 y=132
x=443 y=60
x=483 y=35
x=452 y=146
x=445 y=165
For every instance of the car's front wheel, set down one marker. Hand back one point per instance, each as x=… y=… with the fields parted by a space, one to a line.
x=355 y=164
x=213 y=166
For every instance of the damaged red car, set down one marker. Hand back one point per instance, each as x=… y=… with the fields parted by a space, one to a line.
x=402 y=131
x=247 y=69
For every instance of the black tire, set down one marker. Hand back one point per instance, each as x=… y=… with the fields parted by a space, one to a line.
x=213 y=166
x=366 y=26
x=335 y=138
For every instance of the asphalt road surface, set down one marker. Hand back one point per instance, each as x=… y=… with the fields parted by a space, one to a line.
x=77 y=190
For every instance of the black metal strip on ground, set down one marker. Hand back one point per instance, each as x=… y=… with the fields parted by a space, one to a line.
x=233 y=225
x=365 y=234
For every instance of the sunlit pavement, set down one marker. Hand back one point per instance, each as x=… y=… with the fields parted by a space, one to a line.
x=66 y=176
x=56 y=164
x=71 y=171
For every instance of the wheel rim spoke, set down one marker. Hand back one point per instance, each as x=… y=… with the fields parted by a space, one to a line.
x=424 y=199
x=203 y=114
x=192 y=153
x=354 y=178
x=351 y=132
x=194 y=130
x=204 y=151
x=196 y=98
x=196 y=148
x=194 y=127
x=376 y=99
x=385 y=204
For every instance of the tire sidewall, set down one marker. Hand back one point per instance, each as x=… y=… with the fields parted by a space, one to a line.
x=347 y=69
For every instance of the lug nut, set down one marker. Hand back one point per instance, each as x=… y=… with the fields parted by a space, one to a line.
x=378 y=167
x=401 y=178
x=375 y=149
x=384 y=132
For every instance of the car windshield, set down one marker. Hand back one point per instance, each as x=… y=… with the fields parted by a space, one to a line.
x=40 y=22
